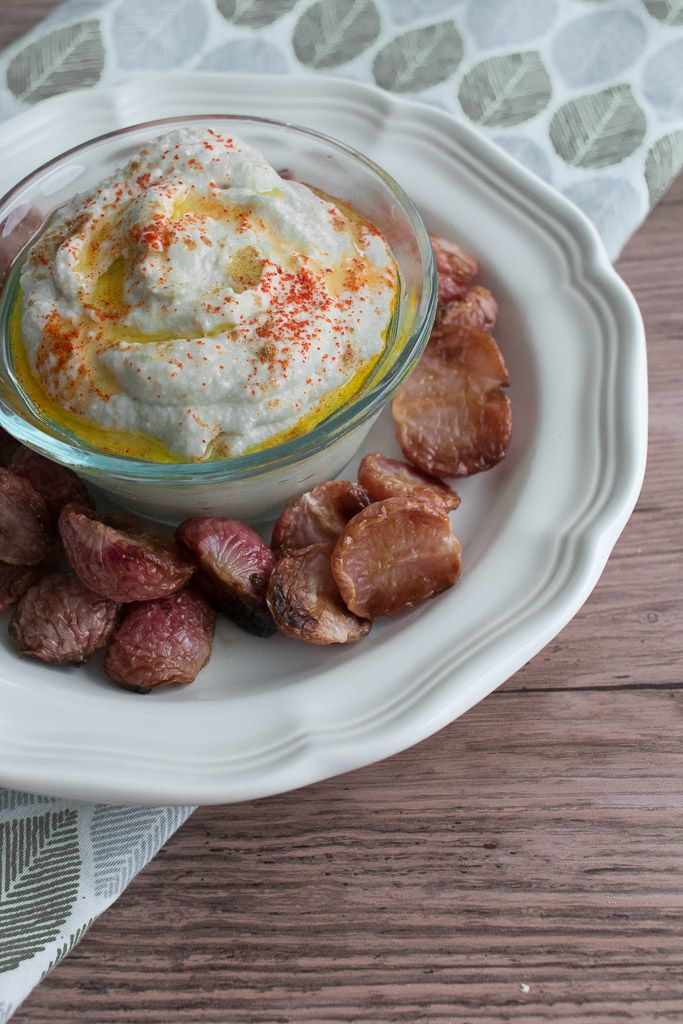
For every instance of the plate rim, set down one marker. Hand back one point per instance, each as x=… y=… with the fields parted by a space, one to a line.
x=309 y=757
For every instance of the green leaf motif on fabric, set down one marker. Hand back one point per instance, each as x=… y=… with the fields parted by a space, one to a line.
x=527 y=152
x=509 y=23
x=419 y=59
x=72 y=10
x=251 y=53
x=40 y=869
x=66 y=947
x=11 y=798
x=506 y=90
x=670 y=12
x=331 y=32
x=124 y=839
x=613 y=205
x=154 y=36
x=599 y=129
x=663 y=162
x=598 y=47
x=68 y=58
x=254 y=13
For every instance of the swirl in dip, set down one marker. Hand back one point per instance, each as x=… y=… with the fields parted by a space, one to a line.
x=196 y=304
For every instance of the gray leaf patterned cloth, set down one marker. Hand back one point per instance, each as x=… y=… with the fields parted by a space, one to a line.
x=588 y=94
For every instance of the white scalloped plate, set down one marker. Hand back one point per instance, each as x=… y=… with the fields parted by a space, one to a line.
x=267 y=716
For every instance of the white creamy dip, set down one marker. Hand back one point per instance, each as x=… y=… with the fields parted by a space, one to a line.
x=200 y=299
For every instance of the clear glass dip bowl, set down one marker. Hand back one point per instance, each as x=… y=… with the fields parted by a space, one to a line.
x=253 y=486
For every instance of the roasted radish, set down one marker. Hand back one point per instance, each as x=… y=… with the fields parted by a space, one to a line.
x=451 y=416
x=318 y=516
x=455 y=268
x=383 y=477
x=162 y=642
x=60 y=621
x=394 y=555
x=234 y=569
x=304 y=600
x=59 y=485
x=26 y=534
x=121 y=557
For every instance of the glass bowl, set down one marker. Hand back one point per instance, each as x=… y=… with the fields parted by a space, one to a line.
x=252 y=486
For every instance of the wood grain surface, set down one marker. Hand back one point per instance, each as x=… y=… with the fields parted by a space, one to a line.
x=523 y=865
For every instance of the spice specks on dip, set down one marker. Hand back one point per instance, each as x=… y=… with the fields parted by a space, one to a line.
x=197 y=305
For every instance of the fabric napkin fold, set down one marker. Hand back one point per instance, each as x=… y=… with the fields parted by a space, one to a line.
x=588 y=94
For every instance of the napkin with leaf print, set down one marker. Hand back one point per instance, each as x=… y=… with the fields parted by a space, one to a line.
x=588 y=94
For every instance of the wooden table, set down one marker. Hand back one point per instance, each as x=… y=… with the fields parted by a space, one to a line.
x=523 y=865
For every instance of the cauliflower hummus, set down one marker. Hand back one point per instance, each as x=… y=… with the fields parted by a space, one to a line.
x=197 y=305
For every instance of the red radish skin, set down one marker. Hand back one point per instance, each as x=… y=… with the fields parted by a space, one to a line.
x=61 y=622
x=58 y=485
x=15 y=580
x=26 y=532
x=477 y=308
x=455 y=269
x=121 y=557
x=234 y=569
x=162 y=642
x=318 y=516
x=383 y=477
